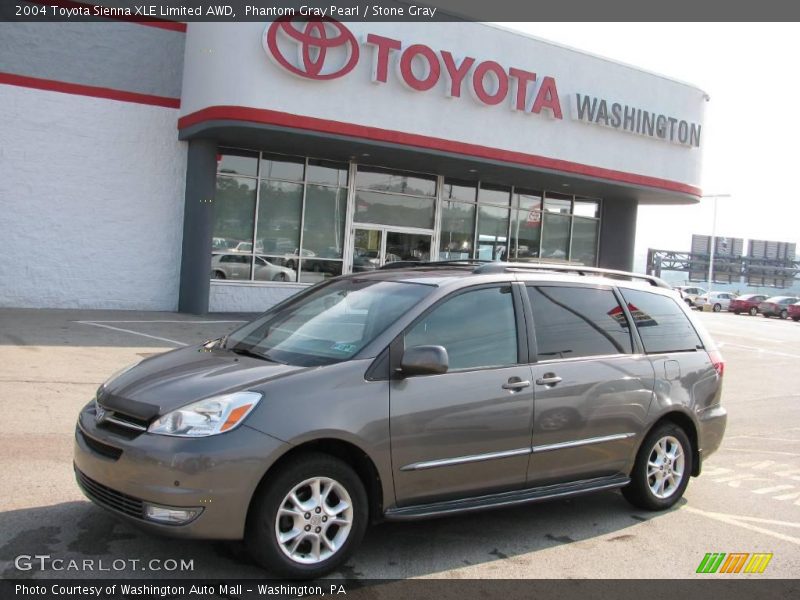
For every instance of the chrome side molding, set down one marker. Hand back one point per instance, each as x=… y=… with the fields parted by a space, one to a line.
x=460 y=460
x=583 y=442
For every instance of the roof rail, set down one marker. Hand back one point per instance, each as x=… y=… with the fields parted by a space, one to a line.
x=406 y=264
x=501 y=267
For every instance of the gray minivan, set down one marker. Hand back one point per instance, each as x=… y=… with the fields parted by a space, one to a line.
x=408 y=393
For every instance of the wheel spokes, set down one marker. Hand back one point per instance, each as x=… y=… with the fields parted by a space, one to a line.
x=314 y=520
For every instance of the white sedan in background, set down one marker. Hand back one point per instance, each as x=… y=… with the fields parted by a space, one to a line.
x=716 y=300
x=237 y=266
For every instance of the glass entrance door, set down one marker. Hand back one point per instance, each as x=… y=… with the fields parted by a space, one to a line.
x=374 y=247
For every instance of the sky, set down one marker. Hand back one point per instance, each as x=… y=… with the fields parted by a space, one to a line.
x=752 y=126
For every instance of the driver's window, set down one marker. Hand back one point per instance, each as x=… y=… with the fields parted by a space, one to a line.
x=477 y=328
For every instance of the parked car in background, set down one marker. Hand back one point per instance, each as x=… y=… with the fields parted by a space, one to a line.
x=716 y=300
x=690 y=294
x=237 y=266
x=746 y=303
x=794 y=311
x=777 y=306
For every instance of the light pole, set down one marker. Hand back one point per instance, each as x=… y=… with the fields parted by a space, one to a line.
x=713 y=240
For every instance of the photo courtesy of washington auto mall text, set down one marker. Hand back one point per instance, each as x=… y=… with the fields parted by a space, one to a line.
x=399 y=300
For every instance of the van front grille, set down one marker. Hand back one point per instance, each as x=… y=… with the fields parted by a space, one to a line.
x=109 y=498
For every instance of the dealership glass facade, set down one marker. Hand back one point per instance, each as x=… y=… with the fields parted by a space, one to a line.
x=284 y=218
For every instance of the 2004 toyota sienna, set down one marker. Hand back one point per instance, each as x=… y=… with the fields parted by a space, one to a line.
x=403 y=394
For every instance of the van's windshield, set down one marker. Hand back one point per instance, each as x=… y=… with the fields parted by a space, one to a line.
x=329 y=324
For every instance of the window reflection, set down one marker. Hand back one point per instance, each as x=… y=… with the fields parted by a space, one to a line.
x=394 y=209
x=458 y=229
x=267 y=218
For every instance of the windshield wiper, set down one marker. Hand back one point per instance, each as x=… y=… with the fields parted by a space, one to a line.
x=249 y=352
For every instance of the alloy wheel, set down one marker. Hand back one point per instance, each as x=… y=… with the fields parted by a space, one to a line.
x=314 y=520
x=665 y=467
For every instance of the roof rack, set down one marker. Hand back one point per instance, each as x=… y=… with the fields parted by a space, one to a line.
x=501 y=267
x=406 y=264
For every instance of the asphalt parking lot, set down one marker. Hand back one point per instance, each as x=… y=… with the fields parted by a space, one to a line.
x=747 y=500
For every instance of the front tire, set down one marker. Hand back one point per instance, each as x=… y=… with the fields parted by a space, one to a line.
x=784 y=314
x=662 y=469
x=717 y=307
x=308 y=517
x=753 y=311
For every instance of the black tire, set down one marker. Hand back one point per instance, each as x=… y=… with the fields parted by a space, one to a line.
x=638 y=491
x=795 y=319
x=219 y=275
x=689 y=302
x=753 y=311
x=784 y=314
x=281 y=277
x=260 y=536
x=717 y=307
x=736 y=312
x=766 y=316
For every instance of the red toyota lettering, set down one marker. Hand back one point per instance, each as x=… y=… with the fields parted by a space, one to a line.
x=380 y=64
x=456 y=73
x=407 y=72
x=479 y=83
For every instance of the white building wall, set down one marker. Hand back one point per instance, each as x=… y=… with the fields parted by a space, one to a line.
x=249 y=297
x=91 y=202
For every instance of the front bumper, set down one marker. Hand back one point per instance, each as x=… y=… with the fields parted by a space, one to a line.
x=217 y=474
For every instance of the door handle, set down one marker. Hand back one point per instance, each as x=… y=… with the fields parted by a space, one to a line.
x=549 y=379
x=515 y=383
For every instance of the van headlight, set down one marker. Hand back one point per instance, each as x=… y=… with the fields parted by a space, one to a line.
x=207 y=417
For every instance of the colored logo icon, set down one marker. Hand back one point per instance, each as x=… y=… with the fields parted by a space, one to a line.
x=735 y=562
x=323 y=48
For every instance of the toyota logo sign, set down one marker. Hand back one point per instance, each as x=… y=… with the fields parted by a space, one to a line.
x=324 y=48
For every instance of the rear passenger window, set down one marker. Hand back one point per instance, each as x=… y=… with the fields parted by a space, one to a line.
x=574 y=321
x=477 y=328
x=661 y=323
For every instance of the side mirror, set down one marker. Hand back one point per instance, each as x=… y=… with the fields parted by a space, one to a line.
x=424 y=360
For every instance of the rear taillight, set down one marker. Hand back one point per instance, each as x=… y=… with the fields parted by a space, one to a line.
x=717 y=361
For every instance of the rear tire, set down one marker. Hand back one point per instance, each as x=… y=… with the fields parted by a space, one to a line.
x=784 y=314
x=753 y=311
x=323 y=516
x=717 y=307
x=662 y=469
x=736 y=312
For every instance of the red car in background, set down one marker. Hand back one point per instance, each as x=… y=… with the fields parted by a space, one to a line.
x=777 y=306
x=794 y=311
x=747 y=303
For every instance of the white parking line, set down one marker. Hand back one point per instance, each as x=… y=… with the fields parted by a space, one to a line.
x=762 y=351
x=152 y=337
x=739 y=522
x=778 y=452
x=754 y=339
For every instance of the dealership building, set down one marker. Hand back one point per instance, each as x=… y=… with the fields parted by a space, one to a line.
x=212 y=167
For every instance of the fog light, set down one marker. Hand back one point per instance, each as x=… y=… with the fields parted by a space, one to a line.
x=170 y=515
